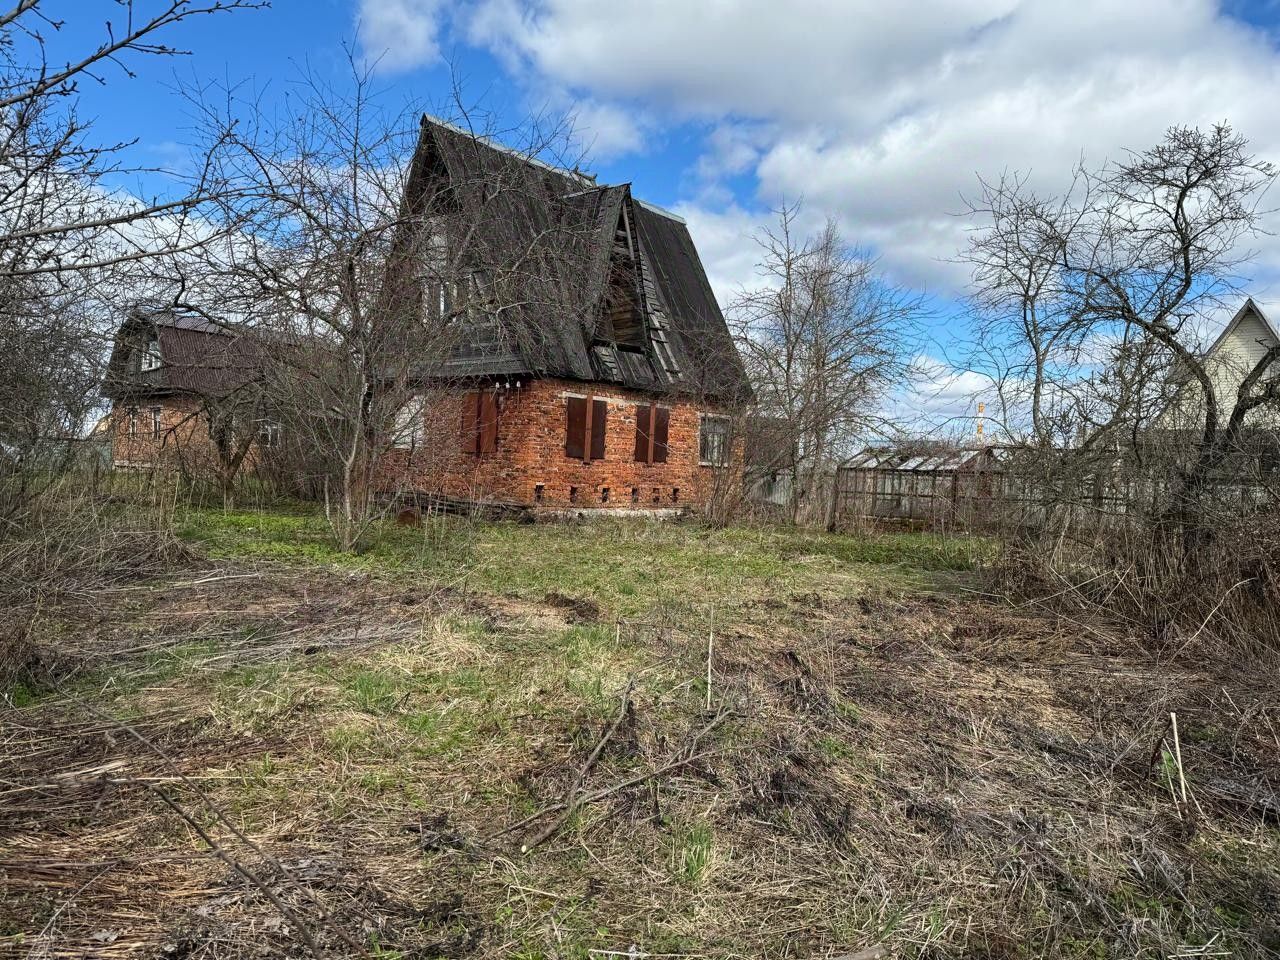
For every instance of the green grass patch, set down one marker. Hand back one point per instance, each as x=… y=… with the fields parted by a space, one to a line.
x=629 y=568
x=692 y=853
x=20 y=694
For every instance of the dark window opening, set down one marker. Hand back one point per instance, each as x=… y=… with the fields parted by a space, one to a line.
x=653 y=425
x=573 y=494
x=675 y=494
x=539 y=490
x=713 y=441
x=624 y=313
x=635 y=494
x=585 y=422
x=657 y=495
x=604 y=494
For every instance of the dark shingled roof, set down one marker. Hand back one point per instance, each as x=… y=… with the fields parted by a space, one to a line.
x=560 y=328
x=196 y=356
x=688 y=348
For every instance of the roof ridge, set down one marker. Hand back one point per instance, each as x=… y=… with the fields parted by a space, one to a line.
x=1249 y=304
x=501 y=147
x=589 y=182
x=661 y=211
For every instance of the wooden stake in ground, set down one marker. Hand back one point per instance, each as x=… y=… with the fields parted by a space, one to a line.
x=711 y=639
x=1177 y=755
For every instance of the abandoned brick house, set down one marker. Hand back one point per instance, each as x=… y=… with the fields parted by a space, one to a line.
x=620 y=405
x=169 y=371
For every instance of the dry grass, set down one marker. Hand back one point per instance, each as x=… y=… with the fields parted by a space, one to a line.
x=936 y=773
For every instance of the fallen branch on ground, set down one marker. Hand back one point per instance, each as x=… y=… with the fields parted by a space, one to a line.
x=573 y=801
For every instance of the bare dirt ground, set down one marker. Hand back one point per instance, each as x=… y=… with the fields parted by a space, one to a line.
x=248 y=758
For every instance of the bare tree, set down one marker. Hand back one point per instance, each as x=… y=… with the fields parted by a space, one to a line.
x=370 y=262
x=1092 y=304
x=825 y=339
x=68 y=234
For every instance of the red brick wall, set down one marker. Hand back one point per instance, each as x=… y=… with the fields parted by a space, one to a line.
x=183 y=433
x=530 y=451
x=184 y=440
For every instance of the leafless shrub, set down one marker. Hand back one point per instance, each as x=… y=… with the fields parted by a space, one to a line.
x=381 y=258
x=824 y=339
x=70 y=243
x=76 y=540
x=1132 y=457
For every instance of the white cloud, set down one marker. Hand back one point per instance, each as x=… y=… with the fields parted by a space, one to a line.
x=606 y=130
x=885 y=114
x=943 y=401
x=400 y=34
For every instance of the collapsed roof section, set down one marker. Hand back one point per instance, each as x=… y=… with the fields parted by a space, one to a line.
x=611 y=289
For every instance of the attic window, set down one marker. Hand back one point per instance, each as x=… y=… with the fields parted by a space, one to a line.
x=150 y=359
x=623 y=310
x=480 y=296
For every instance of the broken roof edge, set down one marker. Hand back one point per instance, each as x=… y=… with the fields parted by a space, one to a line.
x=662 y=211
x=588 y=182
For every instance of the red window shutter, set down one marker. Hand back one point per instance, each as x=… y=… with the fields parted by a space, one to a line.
x=488 y=426
x=644 y=428
x=575 y=427
x=661 y=425
x=599 y=411
x=471 y=422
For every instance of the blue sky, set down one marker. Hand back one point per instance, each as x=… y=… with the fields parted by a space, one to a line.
x=880 y=115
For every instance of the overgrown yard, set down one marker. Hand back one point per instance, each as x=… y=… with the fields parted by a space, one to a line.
x=495 y=740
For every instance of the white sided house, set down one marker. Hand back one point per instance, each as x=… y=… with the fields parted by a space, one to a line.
x=1242 y=344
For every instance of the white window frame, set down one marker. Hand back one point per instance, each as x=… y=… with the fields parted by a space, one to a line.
x=150 y=359
x=409 y=428
x=157 y=422
x=268 y=434
x=132 y=428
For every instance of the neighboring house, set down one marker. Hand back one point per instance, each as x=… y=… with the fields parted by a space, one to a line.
x=167 y=374
x=620 y=403
x=1243 y=342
